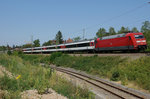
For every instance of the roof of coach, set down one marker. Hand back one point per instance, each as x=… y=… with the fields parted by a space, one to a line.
x=113 y=36
x=119 y=35
x=78 y=42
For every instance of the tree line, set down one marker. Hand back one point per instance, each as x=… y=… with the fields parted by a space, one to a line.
x=102 y=31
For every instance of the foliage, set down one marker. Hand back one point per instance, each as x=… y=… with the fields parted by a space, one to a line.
x=9 y=52
x=35 y=59
x=93 y=64
x=55 y=55
x=115 y=76
x=101 y=32
x=137 y=71
x=77 y=39
x=112 y=31
x=66 y=88
x=59 y=38
x=146 y=27
x=27 y=45
x=146 y=30
x=123 y=30
x=47 y=43
x=36 y=43
x=17 y=53
x=32 y=77
x=3 y=48
x=135 y=30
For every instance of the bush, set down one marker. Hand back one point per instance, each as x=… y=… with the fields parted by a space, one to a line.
x=115 y=76
x=95 y=65
x=9 y=52
x=137 y=71
x=55 y=55
x=69 y=90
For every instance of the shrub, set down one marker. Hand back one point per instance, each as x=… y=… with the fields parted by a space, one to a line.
x=17 y=53
x=55 y=55
x=9 y=52
x=115 y=76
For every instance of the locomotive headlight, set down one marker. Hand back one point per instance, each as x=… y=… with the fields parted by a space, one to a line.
x=138 y=41
x=143 y=40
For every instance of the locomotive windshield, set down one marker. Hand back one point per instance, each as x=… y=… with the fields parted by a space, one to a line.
x=138 y=36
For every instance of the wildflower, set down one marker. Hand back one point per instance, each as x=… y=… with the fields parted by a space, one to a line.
x=18 y=77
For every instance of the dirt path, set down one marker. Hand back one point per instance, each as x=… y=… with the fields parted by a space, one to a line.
x=3 y=71
x=33 y=94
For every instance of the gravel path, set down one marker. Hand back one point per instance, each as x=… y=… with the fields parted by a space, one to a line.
x=33 y=94
x=3 y=71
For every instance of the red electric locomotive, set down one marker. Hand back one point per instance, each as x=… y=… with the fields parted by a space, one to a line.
x=125 y=41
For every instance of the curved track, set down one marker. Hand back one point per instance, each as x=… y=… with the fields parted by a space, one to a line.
x=120 y=92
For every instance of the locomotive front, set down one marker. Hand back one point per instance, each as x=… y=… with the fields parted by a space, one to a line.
x=140 y=41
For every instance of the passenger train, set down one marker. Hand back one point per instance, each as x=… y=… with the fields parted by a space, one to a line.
x=119 y=42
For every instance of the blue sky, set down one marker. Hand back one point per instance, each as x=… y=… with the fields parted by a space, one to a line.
x=19 y=19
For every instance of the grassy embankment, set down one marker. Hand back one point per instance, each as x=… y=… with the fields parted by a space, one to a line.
x=33 y=76
x=113 y=68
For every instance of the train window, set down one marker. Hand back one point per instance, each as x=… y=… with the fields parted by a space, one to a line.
x=38 y=49
x=70 y=46
x=58 y=47
x=83 y=44
x=138 y=36
x=50 y=48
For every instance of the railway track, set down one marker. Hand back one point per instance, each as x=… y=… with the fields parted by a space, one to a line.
x=113 y=89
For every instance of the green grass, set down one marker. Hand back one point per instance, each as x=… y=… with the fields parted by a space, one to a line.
x=72 y=92
x=137 y=71
x=35 y=59
x=95 y=65
x=33 y=76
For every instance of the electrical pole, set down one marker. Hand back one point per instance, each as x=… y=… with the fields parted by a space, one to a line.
x=31 y=39
x=31 y=42
x=83 y=33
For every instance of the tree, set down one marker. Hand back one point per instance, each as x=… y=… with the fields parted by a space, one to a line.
x=145 y=27
x=123 y=30
x=134 y=29
x=36 y=43
x=77 y=38
x=146 y=31
x=3 y=48
x=112 y=31
x=101 y=32
x=47 y=43
x=59 y=39
x=27 y=46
